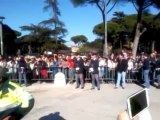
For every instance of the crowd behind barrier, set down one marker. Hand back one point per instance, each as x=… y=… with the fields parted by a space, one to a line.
x=48 y=73
x=44 y=67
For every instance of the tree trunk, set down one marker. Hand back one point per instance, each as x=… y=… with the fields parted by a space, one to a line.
x=120 y=42
x=136 y=39
x=138 y=32
x=105 y=48
x=102 y=7
x=153 y=46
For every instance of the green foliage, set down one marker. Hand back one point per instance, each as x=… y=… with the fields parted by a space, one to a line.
x=83 y=2
x=118 y=27
x=79 y=39
x=99 y=30
x=50 y=23
x=42 y=37
x=150 y=22
x=98 y=43
x=121 y=30
x=37 y=32
x=49 y=45
x=18 y=34
x=48 y=34
x=94 y=46
x=118 y=16
x=9 y=38
x=53 y=5
x=84 y=49
x=113 y=27
x=129 y=22
x=121 y=27
x=103 y=6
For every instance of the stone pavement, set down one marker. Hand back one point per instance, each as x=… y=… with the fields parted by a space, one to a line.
x=68 y=103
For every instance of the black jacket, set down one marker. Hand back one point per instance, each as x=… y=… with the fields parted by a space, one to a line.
x=122 y=65
x=146 y=64
x=22 y=66
x=79 y=66
x=95 y=64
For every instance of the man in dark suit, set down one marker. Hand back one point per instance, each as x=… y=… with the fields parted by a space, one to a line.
x=79 y=67
x=94 y=71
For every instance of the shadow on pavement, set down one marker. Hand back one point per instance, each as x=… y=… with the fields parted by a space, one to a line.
x=55 y=116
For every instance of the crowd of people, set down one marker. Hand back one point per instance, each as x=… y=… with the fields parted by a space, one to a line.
x=75 y=67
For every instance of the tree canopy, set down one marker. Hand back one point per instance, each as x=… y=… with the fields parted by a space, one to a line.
x=102 y=5
x=48 y=34
x=79 y=39
x=121 y=32
x=9 y=38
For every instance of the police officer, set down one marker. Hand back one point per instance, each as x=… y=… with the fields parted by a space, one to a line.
x=79 y=67
x=11 y=94
x=95 y=72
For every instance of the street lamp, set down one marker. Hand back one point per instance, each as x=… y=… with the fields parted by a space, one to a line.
x=1 y=34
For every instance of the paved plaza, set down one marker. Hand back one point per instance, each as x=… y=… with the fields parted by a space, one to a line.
x=68 y=103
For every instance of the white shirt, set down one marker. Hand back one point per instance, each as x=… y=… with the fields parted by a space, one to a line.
x=130 y=65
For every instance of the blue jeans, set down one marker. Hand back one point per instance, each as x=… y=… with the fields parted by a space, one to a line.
x=105 y=71
x=121 y=75
x=54 y=69
x=101 y=72
x=71 y=74
x=146 y=78
x=22 y=76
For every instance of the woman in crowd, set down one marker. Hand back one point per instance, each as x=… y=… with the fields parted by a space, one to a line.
x=102 y=65
x=71 y=69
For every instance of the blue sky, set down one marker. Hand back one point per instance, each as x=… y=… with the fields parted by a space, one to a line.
x=78 y=21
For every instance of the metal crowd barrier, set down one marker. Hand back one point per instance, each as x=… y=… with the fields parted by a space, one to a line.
x=47 y=73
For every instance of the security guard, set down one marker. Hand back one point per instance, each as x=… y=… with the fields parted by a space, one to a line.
x=14 y=101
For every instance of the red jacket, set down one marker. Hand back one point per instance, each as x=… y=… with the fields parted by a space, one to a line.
x=70 y=62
